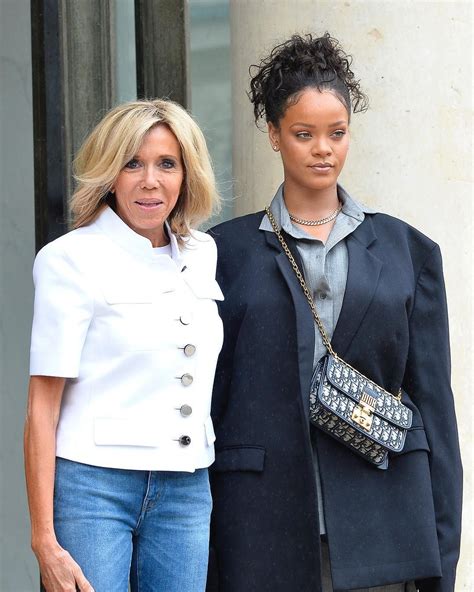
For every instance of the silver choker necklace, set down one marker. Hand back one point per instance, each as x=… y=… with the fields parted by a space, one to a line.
x=319 y=222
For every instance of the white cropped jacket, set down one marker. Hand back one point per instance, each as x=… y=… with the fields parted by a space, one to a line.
x=137 y=334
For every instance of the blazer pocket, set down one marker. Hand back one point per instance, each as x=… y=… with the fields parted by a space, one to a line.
x=415 y=440
x=131 y=316
x=239 y=458
x=116 y=431
x=129 y=286
x=203 y=288
x=126 y=288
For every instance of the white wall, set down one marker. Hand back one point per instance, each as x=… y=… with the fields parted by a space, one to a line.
x=411 y=154
x=18 y=572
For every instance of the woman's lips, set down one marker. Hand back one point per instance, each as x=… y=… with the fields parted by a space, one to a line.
x=321 y=168
x=149 y=205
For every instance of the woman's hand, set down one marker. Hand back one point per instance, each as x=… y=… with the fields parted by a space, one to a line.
x=59 y=571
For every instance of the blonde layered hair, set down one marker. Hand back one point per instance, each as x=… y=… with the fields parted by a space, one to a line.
x=117 y=139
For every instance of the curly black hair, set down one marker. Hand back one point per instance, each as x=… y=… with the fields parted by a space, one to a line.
x=303 y=62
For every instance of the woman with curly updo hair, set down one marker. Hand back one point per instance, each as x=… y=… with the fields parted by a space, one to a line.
x=295 y=508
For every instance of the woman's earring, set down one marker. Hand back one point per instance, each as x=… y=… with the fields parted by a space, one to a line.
x=275 y=147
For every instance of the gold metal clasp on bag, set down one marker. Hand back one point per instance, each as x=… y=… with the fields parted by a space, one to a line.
x=362 y=414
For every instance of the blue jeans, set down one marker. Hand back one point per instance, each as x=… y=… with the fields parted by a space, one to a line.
x=147 y=528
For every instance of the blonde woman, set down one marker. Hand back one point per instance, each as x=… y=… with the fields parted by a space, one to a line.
x=125 y=341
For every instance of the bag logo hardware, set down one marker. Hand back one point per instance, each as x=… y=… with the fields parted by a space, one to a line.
x=362 y=413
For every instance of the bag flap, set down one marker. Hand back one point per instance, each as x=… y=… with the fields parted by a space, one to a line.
x=354 y=385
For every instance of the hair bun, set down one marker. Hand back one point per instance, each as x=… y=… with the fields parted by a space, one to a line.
x=302 y=62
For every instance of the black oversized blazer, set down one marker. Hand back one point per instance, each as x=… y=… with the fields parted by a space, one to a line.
x=400 y=524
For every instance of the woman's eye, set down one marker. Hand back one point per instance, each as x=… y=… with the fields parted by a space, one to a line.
x=168 y=164
x=303 y=135
x=339 y=133
x=132 y=164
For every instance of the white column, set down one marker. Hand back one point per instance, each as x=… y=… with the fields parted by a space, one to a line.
x=411 y=153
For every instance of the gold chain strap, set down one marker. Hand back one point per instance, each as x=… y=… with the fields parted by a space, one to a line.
x=307 y=293
x=300 y=277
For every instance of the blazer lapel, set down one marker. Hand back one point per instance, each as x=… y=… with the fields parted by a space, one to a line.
x=362 y=279
x=304 y=317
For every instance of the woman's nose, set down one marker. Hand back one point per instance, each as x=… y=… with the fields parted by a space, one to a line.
x=150 y=177
x=321 y=147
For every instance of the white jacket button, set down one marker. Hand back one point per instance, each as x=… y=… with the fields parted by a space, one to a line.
x=185 y=410
x=186 y=379
x=189 y=350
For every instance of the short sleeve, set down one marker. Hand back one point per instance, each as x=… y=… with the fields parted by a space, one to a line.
x=62 y=314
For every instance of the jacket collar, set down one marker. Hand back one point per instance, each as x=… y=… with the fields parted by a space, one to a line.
x=132 y=242
x=364 y=234
x=350 y=207
x=362 y=280
x=303 y=316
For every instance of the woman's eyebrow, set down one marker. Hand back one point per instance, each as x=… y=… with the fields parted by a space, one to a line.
x=304 y=124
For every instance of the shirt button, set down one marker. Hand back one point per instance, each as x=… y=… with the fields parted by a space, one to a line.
x=185 y=410
x=185 y=440
x=323 y=295
x=185 y=319
x=186 y=379
x=189 y=350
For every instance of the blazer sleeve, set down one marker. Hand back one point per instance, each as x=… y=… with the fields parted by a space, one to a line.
x=427 y=378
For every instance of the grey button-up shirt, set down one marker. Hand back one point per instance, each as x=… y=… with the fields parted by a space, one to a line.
x=325 y=267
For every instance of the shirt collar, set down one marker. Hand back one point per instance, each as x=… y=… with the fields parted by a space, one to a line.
x=350 y=207
x=116 y=229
